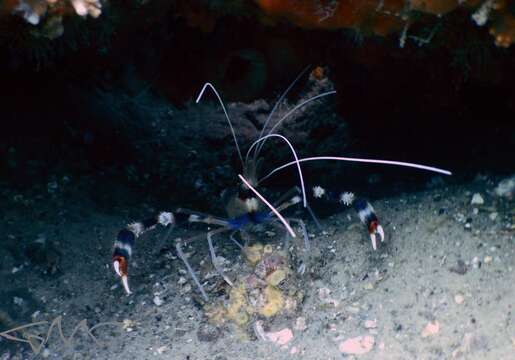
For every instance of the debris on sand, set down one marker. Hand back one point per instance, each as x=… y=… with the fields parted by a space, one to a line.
x=281 y=337
x=506 y=188
x=460 y=268
x=370 y=324
x=477 y=199
x=208 y=333
x=157 y=300
x=431 y=329
x=128 y=325
x=465 y=346
x=459 y=299
x=357 y=345
x=300 y=324
x=325 y=298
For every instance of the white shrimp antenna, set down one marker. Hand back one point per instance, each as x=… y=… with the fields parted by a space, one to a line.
x=372 y=161
x=206 y=85
x=279 y=101
x=277 y=213
x=258 y=141
x=291 y=112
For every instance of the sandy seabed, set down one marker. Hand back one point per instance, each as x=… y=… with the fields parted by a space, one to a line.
x=442 y=285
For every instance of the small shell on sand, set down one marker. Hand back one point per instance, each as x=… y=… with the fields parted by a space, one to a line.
x=357 y=345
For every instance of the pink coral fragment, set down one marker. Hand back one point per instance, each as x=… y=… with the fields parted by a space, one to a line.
x=357 y=345
x=281 y=337
x=432 y=328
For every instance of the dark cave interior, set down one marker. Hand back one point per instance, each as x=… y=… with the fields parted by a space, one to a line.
x=449 y=103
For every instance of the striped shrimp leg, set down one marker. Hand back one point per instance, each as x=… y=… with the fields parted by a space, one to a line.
x=368 y=217
x=363 y=208
x=124 y=244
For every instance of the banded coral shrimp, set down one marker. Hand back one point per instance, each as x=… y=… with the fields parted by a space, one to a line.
x=246 y=206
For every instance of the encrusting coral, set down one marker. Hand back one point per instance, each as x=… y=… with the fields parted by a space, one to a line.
x=33 y=11
x=384 y=17
x=380 y=18
x=49 y=13
x=265 y=288
x=502 y=25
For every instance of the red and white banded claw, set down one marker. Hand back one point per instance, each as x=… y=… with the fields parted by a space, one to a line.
x=377 y=230
x=118 y=269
